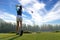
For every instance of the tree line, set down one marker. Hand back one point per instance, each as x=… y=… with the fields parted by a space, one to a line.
x=9 y=27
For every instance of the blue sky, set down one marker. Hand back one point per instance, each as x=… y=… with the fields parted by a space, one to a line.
x=44 y=11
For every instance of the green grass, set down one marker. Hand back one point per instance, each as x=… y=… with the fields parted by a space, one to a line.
x=36 y=36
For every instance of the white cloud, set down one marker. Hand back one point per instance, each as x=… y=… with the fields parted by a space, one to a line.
x=12 y=18
x=38 y=6
x=36 y=16
x=26 y=21
x=35 y=7
x=56 y=7
x=7 y=17
x=26 y=2
x=53 y=14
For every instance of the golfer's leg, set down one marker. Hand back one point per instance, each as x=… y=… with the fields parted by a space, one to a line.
x=21 y=31
x=21 y=24
x=17 y=28
x=20 y=27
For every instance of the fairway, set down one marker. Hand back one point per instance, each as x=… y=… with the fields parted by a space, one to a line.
x=36 y=36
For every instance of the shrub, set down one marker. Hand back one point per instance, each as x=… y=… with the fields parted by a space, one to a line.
x=27 y=32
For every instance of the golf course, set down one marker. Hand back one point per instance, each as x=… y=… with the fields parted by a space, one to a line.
x=32 y=36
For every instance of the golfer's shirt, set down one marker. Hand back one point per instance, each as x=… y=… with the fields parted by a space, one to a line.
x=19 y=13
x=19 y=10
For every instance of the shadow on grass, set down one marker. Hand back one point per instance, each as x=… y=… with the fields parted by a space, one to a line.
x=14 y=37
x=7 y=37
